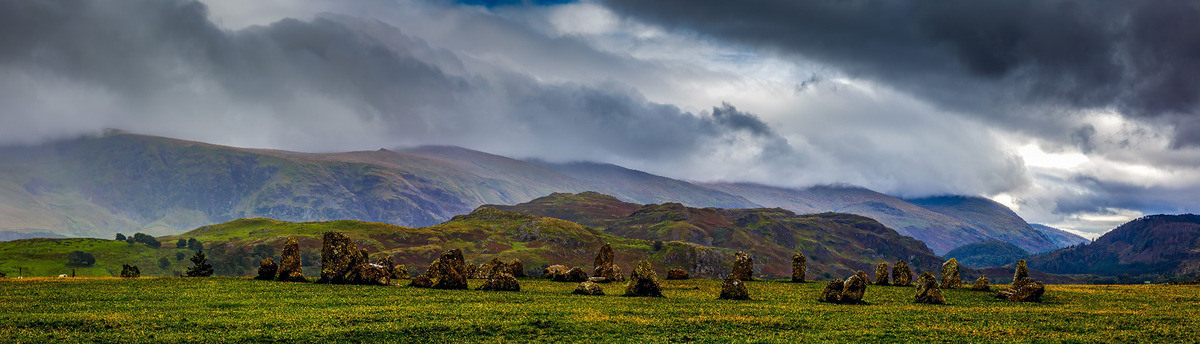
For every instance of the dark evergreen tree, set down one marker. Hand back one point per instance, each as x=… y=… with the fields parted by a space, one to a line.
x=200 y=266
x=80 y=259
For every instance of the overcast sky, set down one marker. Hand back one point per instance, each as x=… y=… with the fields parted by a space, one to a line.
x=1077 y=114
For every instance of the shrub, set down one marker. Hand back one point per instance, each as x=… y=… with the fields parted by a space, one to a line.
x=182 y=243
x=195 y=245
x=80 y=259
x=179 y=255
x=658 y=245
x=163 y=263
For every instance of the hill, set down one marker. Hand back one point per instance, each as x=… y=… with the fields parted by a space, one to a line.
x=1149 y=248
x=987 y=254
x=835 y=244
x=121 y=182
x=943 y=223
x=234 y=248
x=1060 y=237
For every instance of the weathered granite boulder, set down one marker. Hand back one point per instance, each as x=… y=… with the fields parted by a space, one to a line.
x=799 y=267
x=901 y=274
x=881 y=274
x=599 y=280
x=854 y=289
x=553 y=271
x=605 y=265
x=267 y=269
x=370 y=274
x=950 y=277
x=449 y=271
x=833 y=291
x=677 y=274
x=339 y=258
x=643 y=281
x=734 y=289
x=1021 y=272
x=290 y=269
x=486 y=270
x=981 y=284
x=928 y=291
x=575 y=274
x=473 y=271
x=501 y=281
x=516 y=268
x=386 y=262
x=400 y=272
x=421 y=281
x=743 y=266
x=1025 y=290
x=863 y=275
x=130 y=271
x=588 y=288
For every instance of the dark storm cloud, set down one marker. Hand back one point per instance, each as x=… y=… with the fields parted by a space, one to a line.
x=1011 y=60
x=157 y=64
x=1104 y=196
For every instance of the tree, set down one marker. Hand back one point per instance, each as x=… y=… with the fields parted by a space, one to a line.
x=179 y=255
x=194 y=244
x=163 y=263
x=80 y=259
x=147 y=239
x=200 y=266
x=182 y=243
x=120 y=237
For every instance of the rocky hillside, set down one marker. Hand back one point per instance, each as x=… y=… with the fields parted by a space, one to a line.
x=1156 y=245
x=943 y=223
x=835 y=244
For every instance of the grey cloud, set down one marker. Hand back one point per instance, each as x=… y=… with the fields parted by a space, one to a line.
x=332 y=83
x=1015 y=62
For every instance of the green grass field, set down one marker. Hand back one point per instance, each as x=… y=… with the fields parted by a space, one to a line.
x=238 y=309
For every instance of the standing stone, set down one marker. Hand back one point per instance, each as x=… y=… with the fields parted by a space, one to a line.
x=743 y=266
x=1025 y=290
x=421 y=281
x=339 y=258
x=928 y=291
x=855 y=288
x=516 y=268
x=290 y=269
x=833 y=291
x=386 y=262
x=553 y=271
x=400 y=271
x=643 y=281
x=881 y=274
x=981 y=284
x=863 y=275
x=588 y=288
x=449 y=271
x=799 y=267
x=575 y=274
x=473 y=271
x=950 y=277
x=486 y=270
x=677 y=274
x=734 y=289
x=267 y=269
x=605 y=265
x=1021 y=272
x=901 y=275
x=501 y=281
x=370 y=274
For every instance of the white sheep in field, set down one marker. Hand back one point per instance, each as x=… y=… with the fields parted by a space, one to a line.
x=62 y=276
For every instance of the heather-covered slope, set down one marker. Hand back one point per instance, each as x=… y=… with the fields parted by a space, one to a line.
x=943 y=223
x=987 y=254
x=1156 y=245
x=835 y=244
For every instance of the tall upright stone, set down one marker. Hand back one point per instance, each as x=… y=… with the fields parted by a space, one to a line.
x=881 y=274
x=799 y=267
x=743 y=266
x=290 y=267
x=449 y=271
x=928 y=291
x=950 y=277
x=1022 y=271
x=901 y=274
x=605 y=265
x=643 y=281
x=339 y=258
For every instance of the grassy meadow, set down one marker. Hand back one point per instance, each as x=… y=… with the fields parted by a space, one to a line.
x=40 y=310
